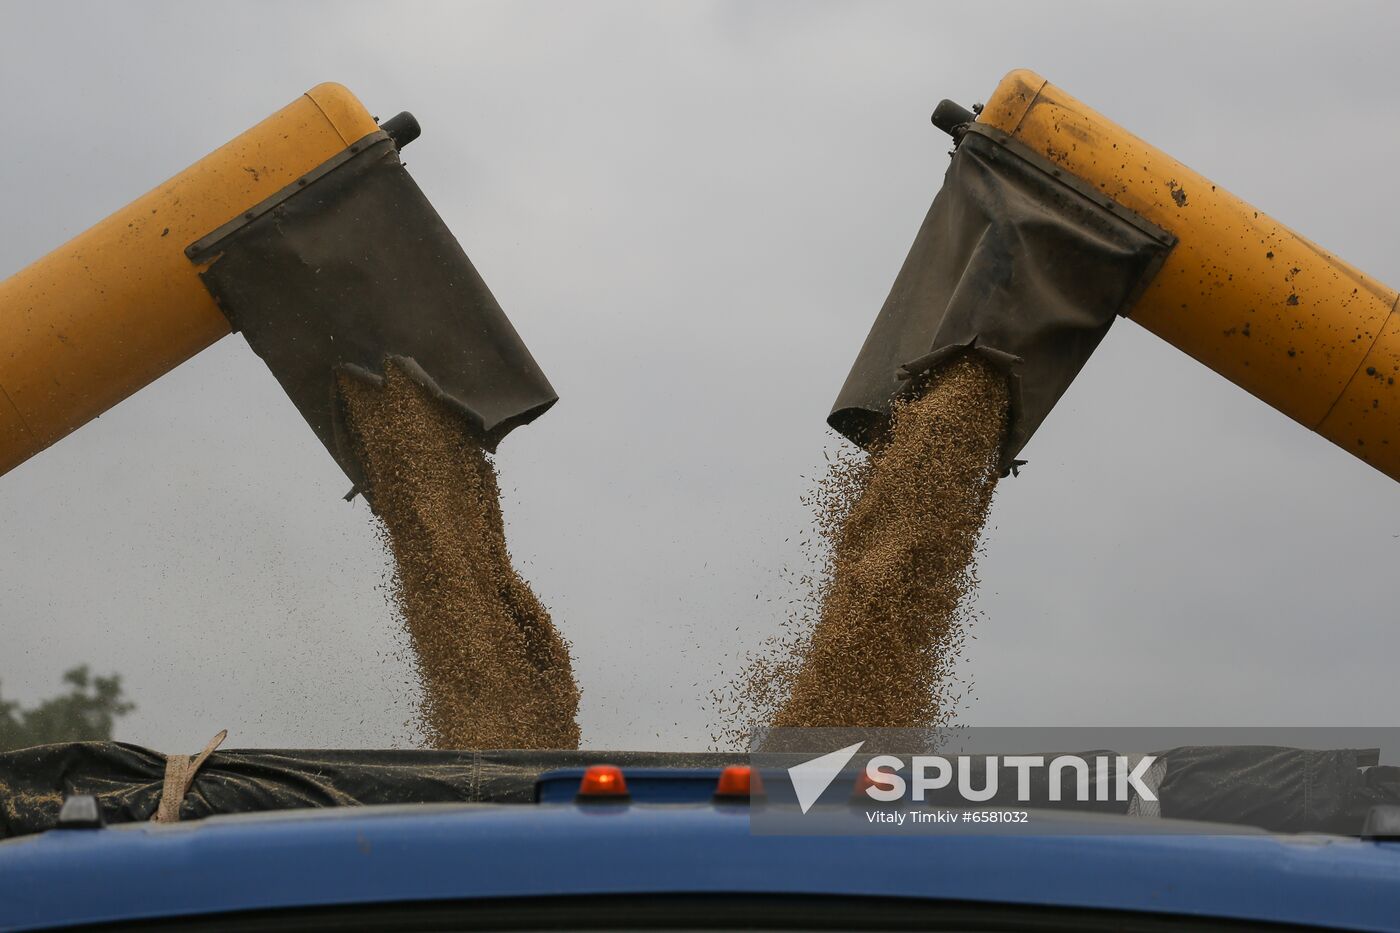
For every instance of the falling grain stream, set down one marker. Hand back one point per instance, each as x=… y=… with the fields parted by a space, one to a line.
x=495 y=672
x=900 y=529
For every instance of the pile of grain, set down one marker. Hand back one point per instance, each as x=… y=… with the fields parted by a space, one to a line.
x=901 y=530
x=495 y=672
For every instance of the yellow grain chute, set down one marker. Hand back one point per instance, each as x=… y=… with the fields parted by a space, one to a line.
x=306 y=234
x=1053 y=220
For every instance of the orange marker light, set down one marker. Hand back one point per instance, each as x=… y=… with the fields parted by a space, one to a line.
x=603 y=782
x=739 y=784
x=734 y=781
x=864 y=782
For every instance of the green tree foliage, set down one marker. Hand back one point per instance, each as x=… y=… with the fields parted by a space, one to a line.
x=88 y=710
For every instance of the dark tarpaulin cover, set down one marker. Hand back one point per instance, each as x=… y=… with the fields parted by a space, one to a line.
x=1016 y=260
x=127 y=779
x=357 y=268
x=1278 y=789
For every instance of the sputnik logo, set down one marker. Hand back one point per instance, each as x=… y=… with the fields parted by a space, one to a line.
x=811 y=778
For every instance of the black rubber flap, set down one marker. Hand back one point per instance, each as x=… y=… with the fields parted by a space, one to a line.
x=354 y=268
x=1016 y=260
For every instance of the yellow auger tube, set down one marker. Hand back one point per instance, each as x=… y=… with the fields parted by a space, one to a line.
x=1243 y=294
x=120 y=304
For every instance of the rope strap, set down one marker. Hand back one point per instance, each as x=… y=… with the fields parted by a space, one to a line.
x=180 y=771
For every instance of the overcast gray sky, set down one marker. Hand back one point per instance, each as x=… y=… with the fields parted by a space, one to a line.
x=692 y=212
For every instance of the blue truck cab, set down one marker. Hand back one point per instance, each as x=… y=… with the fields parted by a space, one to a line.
x=673 y=855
